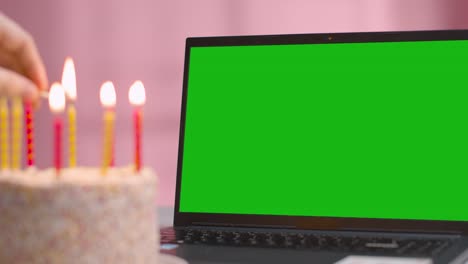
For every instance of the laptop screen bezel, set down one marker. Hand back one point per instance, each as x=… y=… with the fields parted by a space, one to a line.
x=307 y=222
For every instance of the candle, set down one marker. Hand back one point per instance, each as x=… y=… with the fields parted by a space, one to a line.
x=137 y=98
x=4 y=134
x=69 y=84
x=108 y=100
x=17 y=134
x=57 y=106
x=29 y=116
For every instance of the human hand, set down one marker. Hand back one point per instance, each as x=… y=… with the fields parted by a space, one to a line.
x=22 y=71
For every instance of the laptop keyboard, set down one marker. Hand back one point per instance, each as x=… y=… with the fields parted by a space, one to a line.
x=363 y=245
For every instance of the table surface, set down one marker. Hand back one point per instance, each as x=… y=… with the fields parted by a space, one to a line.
x=166 y=216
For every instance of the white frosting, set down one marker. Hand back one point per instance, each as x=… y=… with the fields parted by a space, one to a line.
x=78 y=216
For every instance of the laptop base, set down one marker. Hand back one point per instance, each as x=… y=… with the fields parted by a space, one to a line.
x=197 y=251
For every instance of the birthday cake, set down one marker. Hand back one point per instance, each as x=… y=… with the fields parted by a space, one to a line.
x=78 y=216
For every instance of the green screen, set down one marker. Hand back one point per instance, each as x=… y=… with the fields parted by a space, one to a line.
x=372 y=130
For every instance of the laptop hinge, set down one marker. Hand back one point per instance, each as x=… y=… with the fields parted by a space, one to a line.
x=241 y=225
x=428 y=232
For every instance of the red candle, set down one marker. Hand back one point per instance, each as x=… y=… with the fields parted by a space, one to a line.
x=137 y=116
x=58 y=143
x=29 y=116
x=137 y=98
x=57 y=106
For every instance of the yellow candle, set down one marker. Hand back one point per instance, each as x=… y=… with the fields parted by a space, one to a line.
x=108 y=100
x=17 y=136
x=69 y=84
x=4 y=134
x=109 y=120
x=72 y=135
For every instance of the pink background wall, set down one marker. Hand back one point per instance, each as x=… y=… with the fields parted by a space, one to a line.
x=122 y=41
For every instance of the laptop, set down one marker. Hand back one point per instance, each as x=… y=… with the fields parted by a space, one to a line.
x=323 y=148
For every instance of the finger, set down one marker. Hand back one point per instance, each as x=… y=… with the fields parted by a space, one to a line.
x=10 y=62
x=18 y=44
x=13 y=84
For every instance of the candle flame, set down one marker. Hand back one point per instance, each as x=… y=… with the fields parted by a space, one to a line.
x=57 y=98
x=69 y=79
x=136 y=94
x=107 y=94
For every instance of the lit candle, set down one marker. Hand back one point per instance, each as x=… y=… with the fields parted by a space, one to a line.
x=137 y=98
x=69 y=84
x=29 y=116
x=17 y=134
x=57 y=106
x=108 y=100
x=4 y=134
